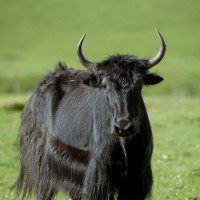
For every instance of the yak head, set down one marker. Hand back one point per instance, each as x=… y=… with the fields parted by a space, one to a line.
x=122 y=78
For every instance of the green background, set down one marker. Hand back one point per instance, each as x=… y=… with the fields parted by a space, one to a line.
x=35 y=35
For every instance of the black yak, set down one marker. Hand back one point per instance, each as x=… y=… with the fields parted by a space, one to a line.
x=87 y=133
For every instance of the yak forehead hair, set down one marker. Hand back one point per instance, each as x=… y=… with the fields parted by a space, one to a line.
x=121 y=66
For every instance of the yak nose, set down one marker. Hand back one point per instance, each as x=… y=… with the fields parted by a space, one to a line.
x=122 y=124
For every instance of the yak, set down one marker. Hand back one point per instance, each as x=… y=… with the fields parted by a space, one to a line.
x=87 y=133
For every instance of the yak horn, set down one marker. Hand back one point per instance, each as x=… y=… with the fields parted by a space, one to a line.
x=155 y=60
x=86 y=63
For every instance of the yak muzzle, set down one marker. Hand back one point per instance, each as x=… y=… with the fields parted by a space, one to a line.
x=123 y=128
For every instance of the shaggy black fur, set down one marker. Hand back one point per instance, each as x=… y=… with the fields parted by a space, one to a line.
x=87 y=133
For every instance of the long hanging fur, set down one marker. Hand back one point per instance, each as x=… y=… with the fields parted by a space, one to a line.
x=35 y=137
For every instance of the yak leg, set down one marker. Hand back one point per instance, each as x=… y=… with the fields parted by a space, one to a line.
x=97 y=179
x=136 y=186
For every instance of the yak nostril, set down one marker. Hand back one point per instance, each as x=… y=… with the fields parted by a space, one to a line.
x=123 y=124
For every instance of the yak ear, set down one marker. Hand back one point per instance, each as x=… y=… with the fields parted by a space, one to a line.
x=152 y=79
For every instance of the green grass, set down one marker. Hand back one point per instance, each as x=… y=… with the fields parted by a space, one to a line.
x=35 y=35
x=176 y=164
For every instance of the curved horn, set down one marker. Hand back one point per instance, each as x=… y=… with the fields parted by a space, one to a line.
x=82 y=59
x=155 y=60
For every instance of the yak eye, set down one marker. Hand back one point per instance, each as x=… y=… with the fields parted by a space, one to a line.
x=141 y=69
x=104 y=85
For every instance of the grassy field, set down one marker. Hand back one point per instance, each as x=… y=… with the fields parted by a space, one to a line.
x=35 y=35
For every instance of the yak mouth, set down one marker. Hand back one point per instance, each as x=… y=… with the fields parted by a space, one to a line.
x=123 y=133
